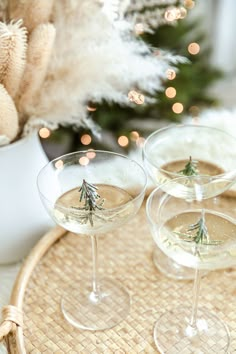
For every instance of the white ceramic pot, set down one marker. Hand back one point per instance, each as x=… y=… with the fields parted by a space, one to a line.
x=23 y=219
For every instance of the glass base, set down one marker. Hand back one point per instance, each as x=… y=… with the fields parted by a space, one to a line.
x=170 y=268
x=85 y=310
x=173 y=334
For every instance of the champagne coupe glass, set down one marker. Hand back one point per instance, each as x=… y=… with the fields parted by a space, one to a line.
x=166 y=153
x=90 y=193
x=199 y=232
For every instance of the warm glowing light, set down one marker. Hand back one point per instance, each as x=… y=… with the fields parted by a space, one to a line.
x=170 y=92
x=171 y=14
x=139 y=28
x=170 y=74
x=59 y=164
x=44 y=133
x=91 y=109
x=177 y=108
x=136 y=97
x=91 y=154
x=123 y=140
x=140 y=141
x=84 y=161
x=86 y=139
x=194 y=48
x=189 y=4
x=183 y=12
x=194 y=111
x=134 y=136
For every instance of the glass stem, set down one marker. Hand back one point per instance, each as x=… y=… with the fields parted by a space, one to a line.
x=94 y=243
x=196 y=289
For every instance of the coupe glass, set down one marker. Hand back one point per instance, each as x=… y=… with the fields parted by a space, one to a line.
x=117 y=187
x=196 y=231
x=165 y=154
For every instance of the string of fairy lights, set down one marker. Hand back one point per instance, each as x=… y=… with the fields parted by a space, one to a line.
x=171 y=14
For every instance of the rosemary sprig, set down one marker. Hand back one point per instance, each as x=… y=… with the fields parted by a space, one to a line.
x=201 y=236
x=201 y=230
x=88 y=193
x=190 y=169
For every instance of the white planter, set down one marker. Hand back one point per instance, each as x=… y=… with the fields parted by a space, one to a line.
x=23 y=219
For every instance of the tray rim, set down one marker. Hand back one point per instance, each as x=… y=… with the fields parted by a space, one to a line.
x=20 y=284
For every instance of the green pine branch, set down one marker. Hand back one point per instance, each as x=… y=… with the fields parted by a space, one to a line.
x=88 y=194
x=190 y=168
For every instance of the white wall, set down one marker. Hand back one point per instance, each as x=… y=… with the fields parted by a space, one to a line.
x=219 y=22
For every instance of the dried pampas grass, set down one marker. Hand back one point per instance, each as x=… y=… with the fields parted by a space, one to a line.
x=17 y=8
x=37 y=12
x=94 y=59
x=39 y=52
x=9 y=125
x=95 y=56
x=13 y=45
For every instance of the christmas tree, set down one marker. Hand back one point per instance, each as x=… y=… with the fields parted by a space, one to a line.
x=166 y=29
x=185 y=90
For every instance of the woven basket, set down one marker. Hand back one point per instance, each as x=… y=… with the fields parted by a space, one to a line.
x=61 y=258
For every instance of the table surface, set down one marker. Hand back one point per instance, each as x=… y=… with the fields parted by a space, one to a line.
x=130 y=263
x=8 y=273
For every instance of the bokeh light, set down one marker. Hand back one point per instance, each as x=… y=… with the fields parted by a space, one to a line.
x=91 y=107
x=170 y=74
x=123 y=141
x=171 y=14
x=194 y=111
x=91 y=154
x=170 y=92
x=189 y=4
x=134 y=135
x=84 y=161
x=86 y=139
x=193 y=48
x=136 y=97
x=177 y=108
x=59 y=164
x=183 y=12
x=44 y=133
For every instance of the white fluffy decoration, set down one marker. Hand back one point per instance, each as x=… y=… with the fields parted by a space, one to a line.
x=224 y=119
x=94 y=59
x=151 y=12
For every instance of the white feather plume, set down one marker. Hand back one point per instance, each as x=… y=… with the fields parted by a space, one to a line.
x=93 y=60
x=151 y=13
x=115 y=9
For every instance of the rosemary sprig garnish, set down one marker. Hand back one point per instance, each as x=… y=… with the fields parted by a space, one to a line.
x=190 y=168
x=201 y=236
x=88 y=193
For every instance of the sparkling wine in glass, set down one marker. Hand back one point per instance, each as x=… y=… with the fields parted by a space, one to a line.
x=199 y=232
x=166 y=155
x=92 y=193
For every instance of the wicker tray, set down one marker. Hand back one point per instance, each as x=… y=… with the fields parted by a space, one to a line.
x=126 y=255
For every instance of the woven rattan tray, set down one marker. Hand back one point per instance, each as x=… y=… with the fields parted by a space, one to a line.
x=126 y=255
